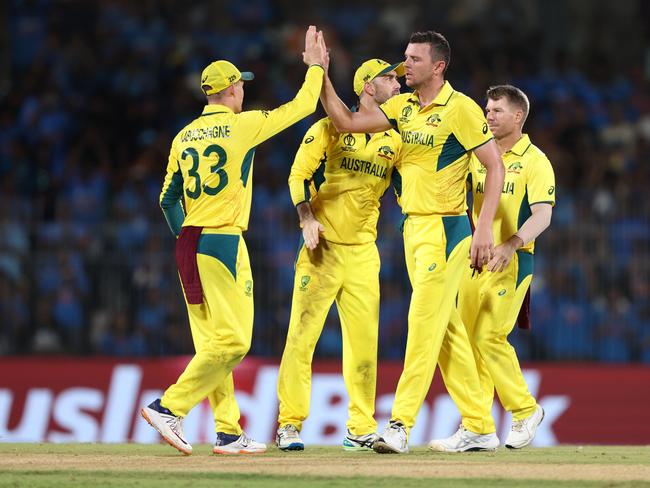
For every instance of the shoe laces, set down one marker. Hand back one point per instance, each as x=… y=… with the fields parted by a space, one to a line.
x=460 y=433
x=518 y=425
x=176 y=424
x=399 y=426
x=244 y=439
x=288 y=430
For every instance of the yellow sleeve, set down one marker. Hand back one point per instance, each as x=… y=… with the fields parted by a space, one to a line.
x=392 y=108
x=469 y=124
x=264 y=124
x=310 y=155
x=172 y=193
x=540 y=182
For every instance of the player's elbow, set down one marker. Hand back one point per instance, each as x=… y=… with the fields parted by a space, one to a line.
x=342 y=125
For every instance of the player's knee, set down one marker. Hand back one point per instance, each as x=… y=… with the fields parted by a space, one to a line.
x=486 y=342
x=238 y=347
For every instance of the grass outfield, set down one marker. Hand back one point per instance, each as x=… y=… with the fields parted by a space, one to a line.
x=131 y=465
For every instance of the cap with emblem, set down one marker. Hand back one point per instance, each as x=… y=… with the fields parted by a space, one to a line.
x=373 y=68
x=221 y=74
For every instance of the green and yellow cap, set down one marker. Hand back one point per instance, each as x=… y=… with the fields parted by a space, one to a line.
x=373 y=68
x=221 y=74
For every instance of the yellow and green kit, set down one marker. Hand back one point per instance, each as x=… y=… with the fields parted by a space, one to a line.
x=490 y=302
x=210 y=169
x=343 y=176
x=437 y=142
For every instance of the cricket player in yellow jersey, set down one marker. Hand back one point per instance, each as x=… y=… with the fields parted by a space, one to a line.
x=440 y=129
x=210 y=166
x=490 y=302
x=336 y=183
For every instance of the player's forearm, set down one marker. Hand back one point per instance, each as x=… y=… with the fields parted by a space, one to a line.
x=175 y=217
x=337 y=111
x=539 y=220
x=493 y=185
x=305 y=213
x=302 y=105
x=306 y=99
x=298 y=189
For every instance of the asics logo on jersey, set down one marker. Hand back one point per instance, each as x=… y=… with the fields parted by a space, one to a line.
x=502 y=292
x=551 y=190
x=248 y=288
x=485 y=128
x=432 y=267
x=309 y=139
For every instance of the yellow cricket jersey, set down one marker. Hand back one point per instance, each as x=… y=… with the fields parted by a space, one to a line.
x=437 y=142
x=211 y=159
x=344 y=176
x=529 y=180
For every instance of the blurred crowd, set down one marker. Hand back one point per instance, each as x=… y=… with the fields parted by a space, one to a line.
x=93 y=93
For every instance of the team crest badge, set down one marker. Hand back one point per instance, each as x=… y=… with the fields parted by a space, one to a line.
x=304 y=281
x=385 y=152
x=434 y=120
x=515 y=168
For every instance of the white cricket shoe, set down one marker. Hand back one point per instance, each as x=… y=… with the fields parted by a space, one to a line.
x=168 y=425
x=353 y=442
x=465 y=440
x=522 y=432
x=394 y=440
x=288 y=439
x=237 y=444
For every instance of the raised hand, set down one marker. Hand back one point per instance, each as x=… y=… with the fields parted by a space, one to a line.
x=315 y=49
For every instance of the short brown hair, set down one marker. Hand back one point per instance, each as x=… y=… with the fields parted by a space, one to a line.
x=511 y=93
x=440 y=50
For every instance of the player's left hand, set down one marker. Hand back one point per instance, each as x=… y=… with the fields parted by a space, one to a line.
x=311 y=230
x=482 y=249
x=502 y=256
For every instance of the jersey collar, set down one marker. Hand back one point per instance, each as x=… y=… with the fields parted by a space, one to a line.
x=215 y=108
x=521 y=146
x=441 y=99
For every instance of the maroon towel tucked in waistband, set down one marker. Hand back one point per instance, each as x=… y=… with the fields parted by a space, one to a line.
x=186 y=261
x=523 y=319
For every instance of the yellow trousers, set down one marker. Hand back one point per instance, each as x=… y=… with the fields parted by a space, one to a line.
x=221 y=327
x=436 y=250
x=489 y=304
x=349 y=276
